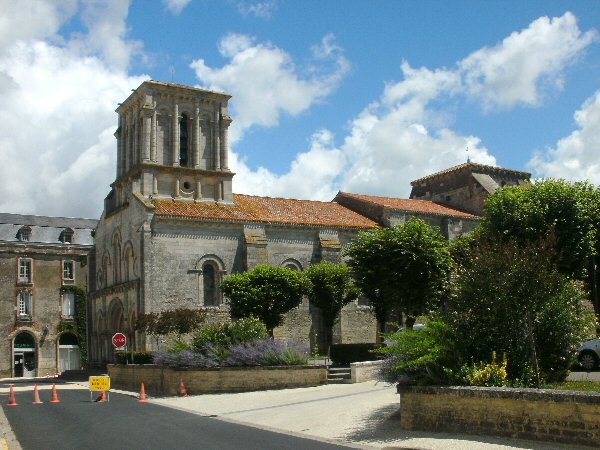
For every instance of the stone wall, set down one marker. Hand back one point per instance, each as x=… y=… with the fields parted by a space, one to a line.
x=365 y=371
x=165 y=381
x=540 y=414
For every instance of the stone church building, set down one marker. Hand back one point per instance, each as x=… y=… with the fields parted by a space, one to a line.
x=172 y=228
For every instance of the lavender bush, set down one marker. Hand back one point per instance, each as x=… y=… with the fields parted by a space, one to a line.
x=261 y=352
x=268 y=352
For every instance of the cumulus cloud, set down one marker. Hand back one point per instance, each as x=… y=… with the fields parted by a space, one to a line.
x=33 y=19
x=575 y=157
x=266 y=83
x=57 y=118
x=261 y=9
x=176 y=6
x=406 y=133
x=526 y=64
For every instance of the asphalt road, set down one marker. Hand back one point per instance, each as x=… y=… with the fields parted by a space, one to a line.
x=124 y=423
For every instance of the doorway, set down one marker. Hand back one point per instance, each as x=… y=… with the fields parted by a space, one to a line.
x=69 y=356
x=24 y=355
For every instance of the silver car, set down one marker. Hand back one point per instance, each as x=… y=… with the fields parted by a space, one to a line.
x=588 y=354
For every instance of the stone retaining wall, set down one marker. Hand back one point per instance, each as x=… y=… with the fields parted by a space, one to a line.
x=160 y=380
x=365 y=371
x=541 y=414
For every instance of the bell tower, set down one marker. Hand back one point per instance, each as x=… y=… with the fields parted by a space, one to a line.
x=172 y=142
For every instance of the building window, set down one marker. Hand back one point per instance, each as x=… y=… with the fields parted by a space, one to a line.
x=209 y=284
x=24 y=270
x=67 y=235
x=68 y=270
x=24 y=304
x=183 y=141
x=68 y=305
x=24 y=234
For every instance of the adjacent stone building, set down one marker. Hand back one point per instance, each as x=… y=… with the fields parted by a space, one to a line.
x=41 y=260
x=172 y=228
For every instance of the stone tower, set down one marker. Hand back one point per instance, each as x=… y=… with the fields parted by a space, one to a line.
x=172 y=143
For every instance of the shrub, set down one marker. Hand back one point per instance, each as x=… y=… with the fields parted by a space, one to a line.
x=140 y=357
x=261 y=352
x=215 y=340
x=268 y=352
x=427 y=356
x=492 y=374
x=349 y=353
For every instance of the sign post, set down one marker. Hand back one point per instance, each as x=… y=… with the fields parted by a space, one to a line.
x=99 y=384
x=119 y=340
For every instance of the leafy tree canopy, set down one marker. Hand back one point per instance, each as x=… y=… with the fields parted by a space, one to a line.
x=265 y=292
x=566 y=212
x=176 y=321
x=511 y=299
x=405 y=268
x=332 y=288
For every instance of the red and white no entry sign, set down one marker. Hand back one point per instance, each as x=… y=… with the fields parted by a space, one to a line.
x=119 y=340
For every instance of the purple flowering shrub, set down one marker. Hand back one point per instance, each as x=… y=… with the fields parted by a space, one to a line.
x=261 y=352
x=268 y=352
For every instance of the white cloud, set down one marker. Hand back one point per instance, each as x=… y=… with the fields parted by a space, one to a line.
x=265 y=82
x=261 y=9
x=57 y=119
x=407 y=133
x=313 y=174
x=106 y=35
x=526 y=64
x=32 y=19
x=575 y=157
x=176 y=6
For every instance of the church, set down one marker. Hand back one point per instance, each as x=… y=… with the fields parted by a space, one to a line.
x=172 y=228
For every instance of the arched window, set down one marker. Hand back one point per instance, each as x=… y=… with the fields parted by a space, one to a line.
x=128 y=263
x=24 y=234
x=209 y=284
x=66 y=236
x=183 y=140
x=291 y=263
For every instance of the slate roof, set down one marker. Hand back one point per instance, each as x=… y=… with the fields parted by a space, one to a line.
x=412 y=205
x=46 y=229
x=473 y=167
x=249 y=208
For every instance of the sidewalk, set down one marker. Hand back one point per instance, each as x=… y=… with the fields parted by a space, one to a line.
x=361 y=414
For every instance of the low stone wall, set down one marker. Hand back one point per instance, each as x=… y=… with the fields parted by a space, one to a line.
x=540 y=414
x=160 y=380
x=365 y=371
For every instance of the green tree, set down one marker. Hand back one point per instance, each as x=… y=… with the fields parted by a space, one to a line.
x=567 y=213
x=332 y=288
x=265 y=292
x=403 y=269
x=511 y=299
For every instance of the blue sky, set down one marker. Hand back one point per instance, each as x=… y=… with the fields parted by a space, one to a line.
x=360 y=96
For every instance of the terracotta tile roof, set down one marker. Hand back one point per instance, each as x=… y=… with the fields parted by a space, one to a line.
x=249 y=208
x=412 y=205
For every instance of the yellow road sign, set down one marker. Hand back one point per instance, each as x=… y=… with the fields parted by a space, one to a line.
x=99 y=383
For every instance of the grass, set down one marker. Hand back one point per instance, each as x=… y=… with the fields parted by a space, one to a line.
x=587 y=386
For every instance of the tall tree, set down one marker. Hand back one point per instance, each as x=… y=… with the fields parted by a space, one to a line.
x=567 y=213
x=404 y=268
x=332 y=288
x=265 y=292
x=509 y=298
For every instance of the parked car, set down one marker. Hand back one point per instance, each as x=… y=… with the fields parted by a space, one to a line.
x=416 y=327
x=588 y=354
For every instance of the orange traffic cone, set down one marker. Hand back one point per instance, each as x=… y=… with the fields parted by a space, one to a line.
x=182 y=390
x=54 y=394
x=36 y=396
x=11 y=397
x=101 y=397
x=143 y=397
